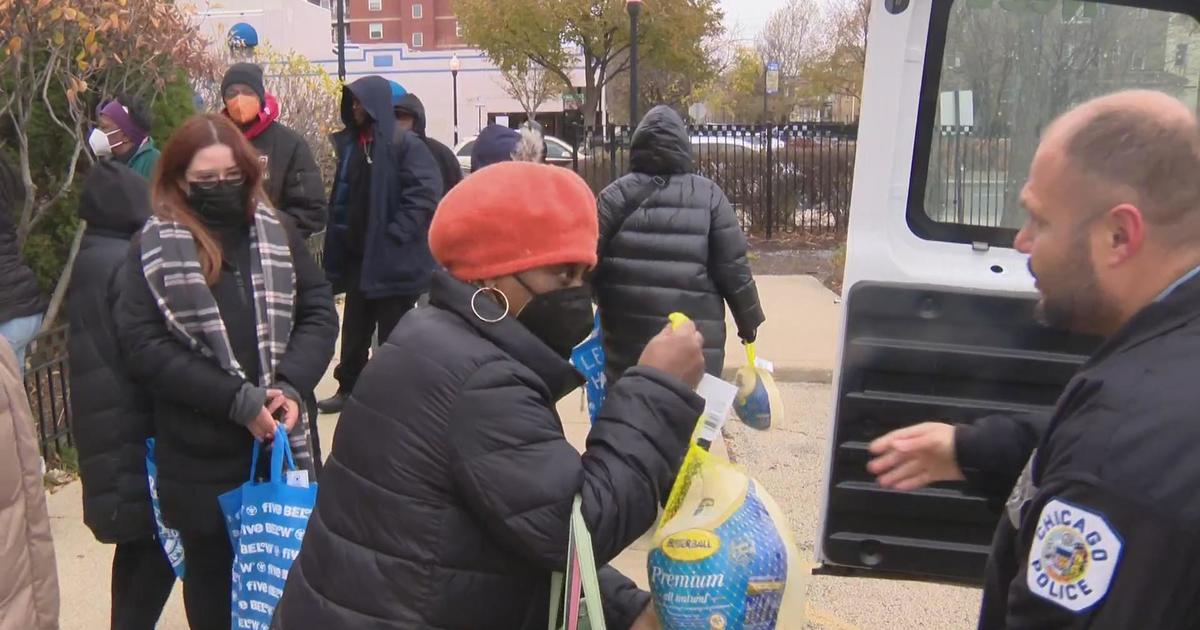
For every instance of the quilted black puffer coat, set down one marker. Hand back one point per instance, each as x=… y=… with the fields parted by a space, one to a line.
x=446 y=500
x=112 y=414
x=669 y=241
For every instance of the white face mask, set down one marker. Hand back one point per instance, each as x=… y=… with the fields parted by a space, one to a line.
x=98 y=140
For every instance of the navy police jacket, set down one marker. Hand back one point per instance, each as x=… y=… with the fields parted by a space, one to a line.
x=1102 y=530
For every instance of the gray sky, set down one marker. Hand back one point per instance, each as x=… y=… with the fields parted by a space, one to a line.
x=747 y=17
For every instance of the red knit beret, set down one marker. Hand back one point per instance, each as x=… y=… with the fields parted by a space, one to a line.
x=512 y=217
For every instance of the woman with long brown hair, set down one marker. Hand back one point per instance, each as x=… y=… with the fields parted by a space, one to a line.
x=229 y=323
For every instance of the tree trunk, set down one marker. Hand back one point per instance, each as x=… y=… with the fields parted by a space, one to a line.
x=64 y=281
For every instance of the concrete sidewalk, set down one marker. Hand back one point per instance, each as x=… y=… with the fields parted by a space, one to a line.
x=799 y=337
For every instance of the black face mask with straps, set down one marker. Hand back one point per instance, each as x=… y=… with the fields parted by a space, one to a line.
x=561 y=318
x=223 y=204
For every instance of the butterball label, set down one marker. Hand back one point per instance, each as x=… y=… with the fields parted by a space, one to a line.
x=691 y=545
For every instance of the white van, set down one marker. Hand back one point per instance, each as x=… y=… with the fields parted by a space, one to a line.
x=938 y=306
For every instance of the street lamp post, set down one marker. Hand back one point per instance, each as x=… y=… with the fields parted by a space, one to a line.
x=341 y=40
x=455 y=66
x=635 y=9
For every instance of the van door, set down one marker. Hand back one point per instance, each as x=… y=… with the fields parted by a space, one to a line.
x=938 y=309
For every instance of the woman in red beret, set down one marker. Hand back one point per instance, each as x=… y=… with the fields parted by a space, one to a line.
x=446 y=500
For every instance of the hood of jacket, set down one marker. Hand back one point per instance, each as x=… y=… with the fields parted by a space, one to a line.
x=411 y=105
x=375 y=94
x=114 y=197
x=661 y=145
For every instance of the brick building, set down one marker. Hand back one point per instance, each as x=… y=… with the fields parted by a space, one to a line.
x=419 y=24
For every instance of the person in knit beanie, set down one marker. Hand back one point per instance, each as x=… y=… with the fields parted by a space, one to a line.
x=292 y=179
x=450 y=466
x=495 y=144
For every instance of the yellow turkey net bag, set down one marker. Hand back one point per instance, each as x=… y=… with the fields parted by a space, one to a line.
x=723 y=556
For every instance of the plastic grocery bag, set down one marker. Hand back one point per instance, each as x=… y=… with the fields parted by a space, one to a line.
x=758 y=397
x=589 y=360
x=723 y=556
x=272 y=517
x=167 y=537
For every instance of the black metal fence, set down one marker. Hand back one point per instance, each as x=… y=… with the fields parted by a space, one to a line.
x=48 y=384
x=972 y=179
x=782 y=179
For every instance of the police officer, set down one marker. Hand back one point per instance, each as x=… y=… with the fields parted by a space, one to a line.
x=1103 y=526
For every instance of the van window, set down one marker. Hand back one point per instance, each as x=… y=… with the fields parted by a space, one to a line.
x=997 y=72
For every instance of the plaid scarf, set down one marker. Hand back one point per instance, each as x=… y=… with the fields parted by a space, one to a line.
x=172 y=269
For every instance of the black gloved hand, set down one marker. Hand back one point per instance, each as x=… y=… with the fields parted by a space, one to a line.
x=748 y=337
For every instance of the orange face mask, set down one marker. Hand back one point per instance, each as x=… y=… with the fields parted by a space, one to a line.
x=243 y=108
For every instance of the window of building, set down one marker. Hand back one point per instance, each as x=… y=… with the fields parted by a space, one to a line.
x=418 y=40
x=376 y=30
x=1181 y=55
x=458 y=29
x=374 y=5
x=418 y=11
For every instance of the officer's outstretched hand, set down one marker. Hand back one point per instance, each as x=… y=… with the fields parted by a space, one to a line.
x=914 y=457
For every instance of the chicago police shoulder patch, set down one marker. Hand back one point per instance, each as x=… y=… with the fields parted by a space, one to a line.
x=1073 y=557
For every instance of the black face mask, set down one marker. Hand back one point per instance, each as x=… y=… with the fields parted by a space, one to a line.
x=562 y=319
x=223 y=204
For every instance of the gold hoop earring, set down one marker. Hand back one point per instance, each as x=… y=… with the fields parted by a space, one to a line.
x=475 y=308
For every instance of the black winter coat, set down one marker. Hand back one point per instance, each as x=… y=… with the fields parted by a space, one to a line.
x=1104 y=530
x=293 y=180
x=201 y=452
x=20 y=295
x=448 y=164
x=446 y=500
x=111 y=415
x=405 y=188
x=682 y=250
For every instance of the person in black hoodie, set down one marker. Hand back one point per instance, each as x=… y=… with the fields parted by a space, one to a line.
x=229 y=323
x=410 y=115
x=111 y=414
x=447 y=498
x=292 y=177
x=377 y=244
x=669 y=241
x=21 y=299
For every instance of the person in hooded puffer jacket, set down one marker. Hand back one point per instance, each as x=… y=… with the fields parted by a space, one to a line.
x=410 y=116
x=29 y=578
x=447 y=498
x=292 y=178
x=669 y=241
x=111 y=414
x=384 y=194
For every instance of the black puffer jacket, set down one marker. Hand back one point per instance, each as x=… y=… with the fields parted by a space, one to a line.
x=446 y=500
x=112 y=415
x=293 y=180
x=201 y=451
x=20 y=295
x=448 y=164
x=682 y=250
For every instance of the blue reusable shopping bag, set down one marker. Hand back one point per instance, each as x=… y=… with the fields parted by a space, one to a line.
x=588 y=359
x=167 y=537
x=271 y=518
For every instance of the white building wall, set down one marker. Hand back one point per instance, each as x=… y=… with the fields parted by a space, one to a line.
x=427 y=74
x=283 y=24
x=297 y=25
